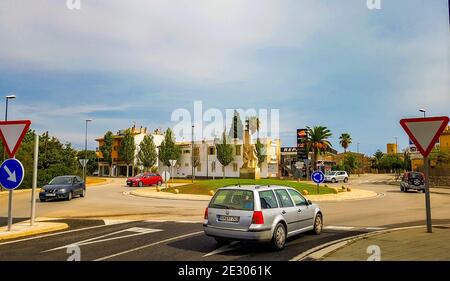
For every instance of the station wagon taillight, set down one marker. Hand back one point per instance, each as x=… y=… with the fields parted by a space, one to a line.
x=206 y=213
x=258 y=217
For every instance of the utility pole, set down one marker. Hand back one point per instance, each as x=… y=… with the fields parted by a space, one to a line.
x=85 y=151
x=192 y=153
x=10 y=201
x=34 y=184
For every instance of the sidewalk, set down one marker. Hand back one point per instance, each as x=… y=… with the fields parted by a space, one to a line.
x=23 y=229
x=413 y=244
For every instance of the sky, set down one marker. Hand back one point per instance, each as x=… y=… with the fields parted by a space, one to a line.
x=320 y=62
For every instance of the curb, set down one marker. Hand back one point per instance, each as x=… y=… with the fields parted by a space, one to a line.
x=51 y=228
x=321 y=251
x=165 y=198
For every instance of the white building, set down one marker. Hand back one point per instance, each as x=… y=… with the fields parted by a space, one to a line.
x=209 y=166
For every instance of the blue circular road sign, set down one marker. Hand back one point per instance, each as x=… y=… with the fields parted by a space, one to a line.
x=11 y=174
x=318 y=177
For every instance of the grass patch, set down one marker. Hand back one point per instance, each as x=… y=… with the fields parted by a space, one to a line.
x=204 y=186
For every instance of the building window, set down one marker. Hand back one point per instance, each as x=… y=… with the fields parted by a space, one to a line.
x=213 y=167
x=114 y=148
x=211 y=150
x=186 y=164
x=186 y=151
x=235 y=167
x=238 y=150
x=199 y=168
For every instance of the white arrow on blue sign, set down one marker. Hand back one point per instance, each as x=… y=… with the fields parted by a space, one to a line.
x=318 y=177
x=11 y=174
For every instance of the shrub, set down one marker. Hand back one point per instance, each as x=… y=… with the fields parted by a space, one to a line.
x=211 y=192
x=158 y=189
x=176 y=190
x=305 y=192
x=349 y=189
x=335 y=190
x=343 y=188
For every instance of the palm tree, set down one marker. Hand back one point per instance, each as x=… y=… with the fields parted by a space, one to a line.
x=318 y=141
x=345 y=140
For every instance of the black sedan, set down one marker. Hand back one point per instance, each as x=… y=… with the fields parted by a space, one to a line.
x=63 y=187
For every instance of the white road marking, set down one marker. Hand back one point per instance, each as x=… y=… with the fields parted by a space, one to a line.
x=113 y=222
x=375 y=228
x=53 y=234
x=149 y=245
x=137 y=231
x=332 y=227
x=233 y=245
x=156 y=221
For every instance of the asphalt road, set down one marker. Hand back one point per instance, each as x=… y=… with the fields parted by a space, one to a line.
x=131 y=232
x=158 y=241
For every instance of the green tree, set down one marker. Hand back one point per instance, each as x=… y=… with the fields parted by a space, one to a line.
x=224 y=153
x=168 y=149
x=147 y=155
x=318 y=141
x=107 y=148
x=237 y=128
x=127 y=149
x=351 y=162
x=260 y=152
x=345 y=140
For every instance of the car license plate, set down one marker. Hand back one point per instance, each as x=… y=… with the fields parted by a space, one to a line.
x=50 y=194
x=228 y=219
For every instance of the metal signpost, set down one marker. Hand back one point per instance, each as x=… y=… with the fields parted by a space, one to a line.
x=166 y=176
x=318 y=177
x=424 y=133
x=172 y=165
x=11 y=170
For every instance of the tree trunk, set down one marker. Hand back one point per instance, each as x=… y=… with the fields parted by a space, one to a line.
x=128 y=168
x=223 y=171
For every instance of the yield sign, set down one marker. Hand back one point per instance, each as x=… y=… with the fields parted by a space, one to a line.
x=424 y=132
x=12 y=134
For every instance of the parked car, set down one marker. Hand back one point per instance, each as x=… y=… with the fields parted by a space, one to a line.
x=63 y=187
x=412 y=180
x=336 y=176
x=145 y=179
x=260 y=213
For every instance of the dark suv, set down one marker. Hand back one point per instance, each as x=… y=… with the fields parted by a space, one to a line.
x=412 y=180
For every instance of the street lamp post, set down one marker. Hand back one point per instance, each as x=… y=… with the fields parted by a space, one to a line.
x=423 y=111
x=9 y=97
x=85 y=150
x=192 y=153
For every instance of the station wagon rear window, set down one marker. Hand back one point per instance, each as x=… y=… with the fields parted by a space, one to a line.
x=233 y=199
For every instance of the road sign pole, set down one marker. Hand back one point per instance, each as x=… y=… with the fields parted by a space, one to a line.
x=10 y=219
x=35 y=170
x=318 y=189
x=427 y=194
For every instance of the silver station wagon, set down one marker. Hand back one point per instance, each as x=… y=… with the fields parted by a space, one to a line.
x=260 y=213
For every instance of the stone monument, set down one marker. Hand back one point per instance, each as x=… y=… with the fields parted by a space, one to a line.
x=249 y=169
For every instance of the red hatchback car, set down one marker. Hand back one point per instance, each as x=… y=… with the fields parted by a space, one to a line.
x=145 y=179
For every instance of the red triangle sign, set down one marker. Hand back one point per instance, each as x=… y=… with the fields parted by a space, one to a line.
x=12 y=134
x=424 y=132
